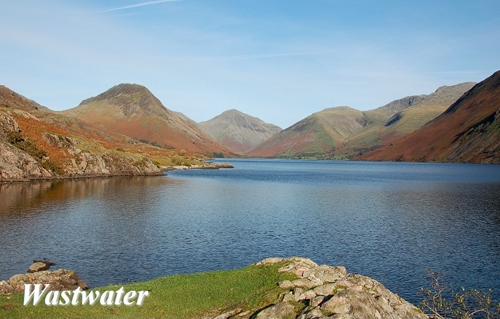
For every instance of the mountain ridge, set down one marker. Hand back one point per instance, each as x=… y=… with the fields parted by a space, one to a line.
x=333 y=132
x=467 y=131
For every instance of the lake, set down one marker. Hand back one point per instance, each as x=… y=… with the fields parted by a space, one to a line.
x=389 y=221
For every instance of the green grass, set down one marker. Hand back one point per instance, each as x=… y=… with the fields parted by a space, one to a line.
x=180 y=296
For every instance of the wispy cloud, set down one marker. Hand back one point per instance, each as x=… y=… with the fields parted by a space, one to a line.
x=137 y=5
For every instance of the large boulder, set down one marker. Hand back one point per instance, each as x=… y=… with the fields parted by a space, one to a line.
x=38 y=266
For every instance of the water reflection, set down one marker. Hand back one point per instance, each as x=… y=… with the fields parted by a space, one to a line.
x=25 y=197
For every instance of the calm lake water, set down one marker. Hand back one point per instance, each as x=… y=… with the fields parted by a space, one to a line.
x=389 y=221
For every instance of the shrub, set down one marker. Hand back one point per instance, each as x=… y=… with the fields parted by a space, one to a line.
x=441 y=301
x=16 y=139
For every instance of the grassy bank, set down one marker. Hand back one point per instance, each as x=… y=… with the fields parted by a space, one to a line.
x=181 y=296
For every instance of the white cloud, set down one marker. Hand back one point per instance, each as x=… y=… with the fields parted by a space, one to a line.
x=137 y=5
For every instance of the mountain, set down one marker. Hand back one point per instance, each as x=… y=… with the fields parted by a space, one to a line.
x=132 y=110
x=402 y=117
x=344 y=132
x=187 y=119
x=316 y=135
x=9 y=98
x=36 y=143
x=468 y=131
x=238 y=130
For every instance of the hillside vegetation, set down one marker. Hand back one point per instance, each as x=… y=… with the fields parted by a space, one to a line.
x=36 y=143
x=468 y=131
x=343 y=132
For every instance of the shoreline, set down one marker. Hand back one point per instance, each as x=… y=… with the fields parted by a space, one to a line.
x=161 y=172
x=292 y=287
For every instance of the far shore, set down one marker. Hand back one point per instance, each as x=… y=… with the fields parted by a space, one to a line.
x=160 y=172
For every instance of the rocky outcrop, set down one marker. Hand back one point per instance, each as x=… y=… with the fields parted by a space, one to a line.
x=327 y=292
x=17 y=165
x=22 y=160
x=60 y=279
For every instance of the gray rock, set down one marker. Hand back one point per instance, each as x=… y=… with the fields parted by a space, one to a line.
x=297 y=293
x=337 y=304
x=309 y=294
x=327 y=273
x=316 y=301
x=306 y=283
x=282 y=310
x=325 y=290
x=269 y=261
x=312 y=314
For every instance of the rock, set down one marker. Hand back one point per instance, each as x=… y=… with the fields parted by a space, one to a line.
x=337 y=304
x=269 y=261
x=38 y=266
x=230 y=312
x=60 y=279
x=282 y=310
x=306 y=283
x=18 y=165
x=286 y=284
x=287 y=296
x=316 y=301
x=298 y=265
x=328 y=273
x=297 y=293
x=223 y=165
x=5 y=288
x=343 y=296
x=8 y=124
x=314 y=313
x=325 y=290
x=309 y=294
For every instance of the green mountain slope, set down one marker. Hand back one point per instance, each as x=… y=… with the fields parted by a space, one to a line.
x=343 y=132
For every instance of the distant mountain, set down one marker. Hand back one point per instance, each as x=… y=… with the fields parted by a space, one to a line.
x=316 y=135
x=132 y=110
x=402 y=117
x=468 y=131
x=188 y=119
x=344 y=132
x=238 y=130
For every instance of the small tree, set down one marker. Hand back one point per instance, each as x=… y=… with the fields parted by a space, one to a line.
x=440 y=301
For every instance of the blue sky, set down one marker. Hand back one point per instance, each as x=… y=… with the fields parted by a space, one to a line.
x=279 y=60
